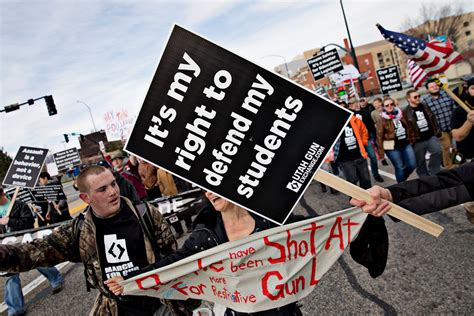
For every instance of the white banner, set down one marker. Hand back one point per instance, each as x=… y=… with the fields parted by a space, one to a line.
x=266 y=270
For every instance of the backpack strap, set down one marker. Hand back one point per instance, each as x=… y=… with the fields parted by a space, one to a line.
x=147 y=225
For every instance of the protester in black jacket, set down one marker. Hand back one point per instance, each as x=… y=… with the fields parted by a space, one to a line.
x=424 y=195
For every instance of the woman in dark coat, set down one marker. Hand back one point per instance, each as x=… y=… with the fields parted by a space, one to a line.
x=217 y=223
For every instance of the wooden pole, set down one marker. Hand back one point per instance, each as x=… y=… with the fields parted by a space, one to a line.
x=12 y=202
x=361 y=194
x=34 y=211
x=455 y=98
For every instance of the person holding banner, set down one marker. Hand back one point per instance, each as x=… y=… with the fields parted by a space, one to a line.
x=21 y=218
x=394 y=137
x=113 y=237
x=217 y=223
x=424 y=195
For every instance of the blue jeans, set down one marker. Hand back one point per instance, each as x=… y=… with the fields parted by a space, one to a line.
x=13 y=295
x=373 y=159
x=403 y=160
x=432 y=146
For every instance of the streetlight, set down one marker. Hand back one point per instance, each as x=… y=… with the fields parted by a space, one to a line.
x=284 y=59
x=354 y=57
x=90 y=113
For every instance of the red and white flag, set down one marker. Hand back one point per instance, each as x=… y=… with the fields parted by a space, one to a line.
x=416 y=74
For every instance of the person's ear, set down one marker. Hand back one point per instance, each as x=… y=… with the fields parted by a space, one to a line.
x=85 y=197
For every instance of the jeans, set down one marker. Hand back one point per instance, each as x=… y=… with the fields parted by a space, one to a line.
x=357 y=171
x=403 y=160
x=432 y=146
x=13 y=294
x=373 y=159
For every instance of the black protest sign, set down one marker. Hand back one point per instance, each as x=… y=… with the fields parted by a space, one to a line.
x=67 y=158
x=232 y=127
x=26 y=167
x=389 y=79
x=24 y=194
x=325 y=63
x=48 y=193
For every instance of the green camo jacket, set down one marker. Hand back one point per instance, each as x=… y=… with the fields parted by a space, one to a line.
x=62 y=246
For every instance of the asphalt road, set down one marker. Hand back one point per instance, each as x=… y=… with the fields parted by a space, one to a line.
x=424 y=274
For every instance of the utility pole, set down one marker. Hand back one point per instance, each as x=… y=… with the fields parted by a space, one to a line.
x=353 y=53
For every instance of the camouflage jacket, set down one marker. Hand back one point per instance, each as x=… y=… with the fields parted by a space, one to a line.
x=63 y=245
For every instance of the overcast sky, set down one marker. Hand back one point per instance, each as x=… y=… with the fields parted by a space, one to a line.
x=104 y=53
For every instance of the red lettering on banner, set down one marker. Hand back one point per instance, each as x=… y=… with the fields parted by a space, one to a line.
x=235 y=296
x=194 y=289
x=156 y=279
x=245 y=265
x=218 y=280
x=213 y=266
x=241 y=253
x=332 y=234
x=349 y=224
x=280 y=248
x=278 y=287
x=296 y=285
x=312 y=237
x=313 y=280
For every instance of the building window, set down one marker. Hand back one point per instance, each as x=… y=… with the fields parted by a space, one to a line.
x=467 y=33
x=466 y=24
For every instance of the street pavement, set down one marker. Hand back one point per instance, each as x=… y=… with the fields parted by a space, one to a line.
x=424 y=274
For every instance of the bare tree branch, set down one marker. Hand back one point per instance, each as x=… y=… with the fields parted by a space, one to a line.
x=435 y=21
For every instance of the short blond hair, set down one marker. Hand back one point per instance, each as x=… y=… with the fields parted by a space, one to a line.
x=81 y=181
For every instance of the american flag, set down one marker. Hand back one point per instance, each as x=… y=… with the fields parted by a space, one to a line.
x=433 y=57
x=416 y=74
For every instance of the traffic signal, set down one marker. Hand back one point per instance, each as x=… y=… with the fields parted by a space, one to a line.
x=66 y=138
x=341 y=91
x=50 y=105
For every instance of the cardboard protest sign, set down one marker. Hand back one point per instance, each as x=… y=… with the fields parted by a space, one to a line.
x=26 y=167
x=265 y=270
x=232 y=127
x=118 y=124
x=49 y=193
x=24 y=195
x=325 y=63
x=67 y=158
x=389 y=79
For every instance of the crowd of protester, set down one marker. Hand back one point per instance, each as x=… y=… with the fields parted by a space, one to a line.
x=118 y=188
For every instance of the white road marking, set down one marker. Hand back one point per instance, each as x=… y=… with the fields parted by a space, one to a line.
x=32 y=285
x=387 y=174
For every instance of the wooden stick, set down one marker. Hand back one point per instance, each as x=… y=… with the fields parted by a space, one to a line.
x=56 y=207
x=455 y=98
x=12 y=202
x=37 y=213
x=361 y=194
